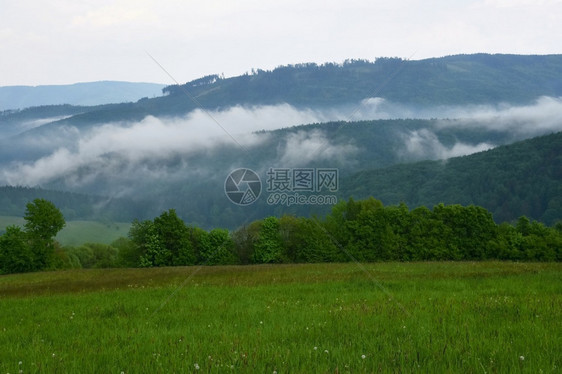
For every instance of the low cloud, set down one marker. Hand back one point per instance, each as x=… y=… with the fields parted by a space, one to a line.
x=424 y=144
x=146 y=147
x=302 y=147
x=541 y=117
x=158 y=148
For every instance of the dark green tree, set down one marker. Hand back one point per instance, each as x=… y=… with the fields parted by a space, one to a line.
x=43 y=221
x=15 y=254
x=217 y=248
x=155 y=254
x=268 y=247
x=174 y=237
x=128 y=254
x=245 y=239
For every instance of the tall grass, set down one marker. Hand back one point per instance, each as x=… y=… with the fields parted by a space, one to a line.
x=390 y=317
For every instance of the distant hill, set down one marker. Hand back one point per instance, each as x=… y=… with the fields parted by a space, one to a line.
x=524 y=178
x=81 y=94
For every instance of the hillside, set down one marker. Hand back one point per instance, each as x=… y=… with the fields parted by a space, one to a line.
x=524 y=178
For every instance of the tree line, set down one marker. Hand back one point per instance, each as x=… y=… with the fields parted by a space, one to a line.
x=363 y=230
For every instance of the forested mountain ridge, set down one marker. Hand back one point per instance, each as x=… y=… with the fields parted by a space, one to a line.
x=451 y=80
x=524 y=178
x=474 y=79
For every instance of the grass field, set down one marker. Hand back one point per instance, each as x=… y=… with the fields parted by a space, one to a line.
x=76 y=233
x=319 y=318
x=6 y=221
x=79 y=232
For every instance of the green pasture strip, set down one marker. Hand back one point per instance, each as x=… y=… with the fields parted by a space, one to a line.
x=322 y=318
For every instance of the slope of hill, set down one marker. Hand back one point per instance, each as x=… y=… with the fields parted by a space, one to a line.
x=524 y=178
x=81 y=94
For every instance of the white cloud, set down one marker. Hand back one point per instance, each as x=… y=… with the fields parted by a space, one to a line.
x=424 y=144
x=107 y=148
x=302 y=147
x=540 y=117
x=116 y=150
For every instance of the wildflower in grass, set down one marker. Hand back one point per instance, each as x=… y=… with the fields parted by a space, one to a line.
x=196 y=366
x=363 y=357
x=20 y=363
x=326 y=351
x=315 y=348
x=522 y=358
x=53 y=355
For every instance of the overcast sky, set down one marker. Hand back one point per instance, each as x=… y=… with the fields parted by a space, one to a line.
x=68 y=41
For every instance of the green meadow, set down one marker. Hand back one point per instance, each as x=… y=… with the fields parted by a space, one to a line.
x=457 y=317
x=76 y=233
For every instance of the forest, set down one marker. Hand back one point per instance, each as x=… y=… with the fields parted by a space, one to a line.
x=362 y=230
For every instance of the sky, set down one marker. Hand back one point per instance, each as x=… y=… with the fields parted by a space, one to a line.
x=69 y=41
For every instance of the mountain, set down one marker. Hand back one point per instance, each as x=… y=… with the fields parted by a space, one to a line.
x=80 y=94
x=524 y=178
x=167 y=152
